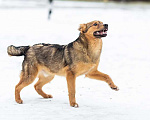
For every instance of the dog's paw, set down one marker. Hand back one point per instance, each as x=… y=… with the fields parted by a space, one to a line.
x=115 y=88
x=48 y=96
x=19 y=101
x=74 y=105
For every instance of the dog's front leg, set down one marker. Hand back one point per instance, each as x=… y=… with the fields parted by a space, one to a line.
x=71 y=88
x=104 y=77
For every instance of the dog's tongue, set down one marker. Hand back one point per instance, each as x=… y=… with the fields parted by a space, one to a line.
x=101 y=32
x=105 y=32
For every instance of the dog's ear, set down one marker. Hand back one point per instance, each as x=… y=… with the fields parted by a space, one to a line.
x=82 y=28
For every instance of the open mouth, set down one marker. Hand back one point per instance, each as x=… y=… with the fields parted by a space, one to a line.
x=102 y=33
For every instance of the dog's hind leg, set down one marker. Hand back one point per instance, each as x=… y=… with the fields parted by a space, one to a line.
x=104 y=77
x=27 y=76
x=43 y=79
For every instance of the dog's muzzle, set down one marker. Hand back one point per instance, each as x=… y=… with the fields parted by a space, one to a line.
x=101 y=33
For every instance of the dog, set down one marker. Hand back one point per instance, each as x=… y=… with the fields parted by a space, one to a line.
x=79 y=57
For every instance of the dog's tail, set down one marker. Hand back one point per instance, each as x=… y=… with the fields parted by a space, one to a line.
x=17 y=51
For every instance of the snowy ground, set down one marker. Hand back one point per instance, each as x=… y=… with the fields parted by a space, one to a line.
x=125 y=57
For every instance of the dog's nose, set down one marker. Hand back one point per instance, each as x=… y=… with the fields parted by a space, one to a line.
x=106 y=26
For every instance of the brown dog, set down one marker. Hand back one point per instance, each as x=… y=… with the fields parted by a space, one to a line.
x=47 y=60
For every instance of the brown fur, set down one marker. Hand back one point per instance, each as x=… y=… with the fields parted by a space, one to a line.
x=47 y=60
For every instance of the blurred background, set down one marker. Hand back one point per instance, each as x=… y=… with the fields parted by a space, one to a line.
x=44 y=3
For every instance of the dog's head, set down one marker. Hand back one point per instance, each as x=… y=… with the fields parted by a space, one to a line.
x=94 y=29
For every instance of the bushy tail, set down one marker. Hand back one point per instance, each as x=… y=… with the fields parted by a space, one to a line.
x=17 y=51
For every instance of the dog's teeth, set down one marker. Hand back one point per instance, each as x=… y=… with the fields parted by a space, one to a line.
x=97 y=32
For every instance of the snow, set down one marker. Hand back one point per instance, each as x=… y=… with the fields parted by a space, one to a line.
x=125 y=57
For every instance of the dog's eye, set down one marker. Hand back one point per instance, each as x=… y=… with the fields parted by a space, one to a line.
x=95 y=24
